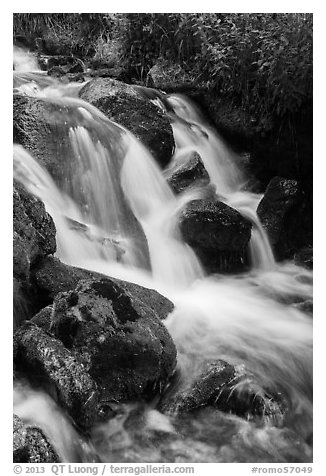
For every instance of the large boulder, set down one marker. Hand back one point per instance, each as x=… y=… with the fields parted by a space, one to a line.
x=121 y=341
x=34 y=232
x=189 y=170
x=51 y=277
x=45 y=360
x=30 y=445
x=283 y=212
x=218 y=234
x=127 y=105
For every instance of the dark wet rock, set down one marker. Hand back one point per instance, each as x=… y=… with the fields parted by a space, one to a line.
x=40 y=449
x=43 y=319
x=161 y=305
x=31 y=445
x=284 y=214
x=116 y=72
x=21 y=453
x=64 y=64
x=304 y=257
x=246 y=398
x=218 y=234
x=77 y=67
x=189 y=170
x=121 y=341
x=34 y=232
x=60 y=60
x=21 y=307
x=51 y=277
x=126 y=105
x=46 y=361
x=280 y=197
x=33 y=238
x=201 y=390
x=57 y=71
x=65 y=72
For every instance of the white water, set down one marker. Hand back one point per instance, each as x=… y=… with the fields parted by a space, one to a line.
x=244 y=319
x=191 y=132
x=24 y=61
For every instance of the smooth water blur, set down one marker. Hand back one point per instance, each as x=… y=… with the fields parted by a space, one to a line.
x=155 y=206
x=249 y=319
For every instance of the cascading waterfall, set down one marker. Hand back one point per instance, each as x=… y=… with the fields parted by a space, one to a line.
x=223 y=166
x=242 y=319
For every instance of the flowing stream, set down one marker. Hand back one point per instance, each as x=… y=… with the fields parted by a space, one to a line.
x=247 y=319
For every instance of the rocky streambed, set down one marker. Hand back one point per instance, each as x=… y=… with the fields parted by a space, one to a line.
x=93 y=342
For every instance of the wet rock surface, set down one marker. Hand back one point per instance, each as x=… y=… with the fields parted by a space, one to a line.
x=51 y=277
x=304 y=257
x=219 y=385
x=284 y=213
x=201 y=390
x=218 y=234
x=280 y=197
x=43 y=319
x=121 y=341
x=31 y=445
x=46 y=361
x=34 y=232
x=124 y=104
x=189 y=170
x=33 y=238
x=246 y=398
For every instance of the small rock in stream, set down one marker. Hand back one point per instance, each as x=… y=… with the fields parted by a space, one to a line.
x=200 y=390
x=188 y=170
x=31 y=445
